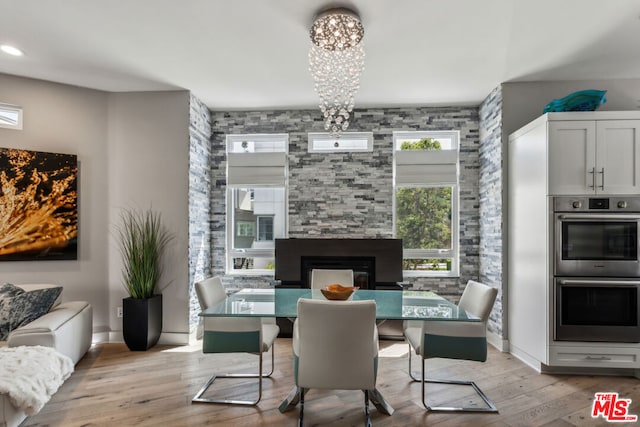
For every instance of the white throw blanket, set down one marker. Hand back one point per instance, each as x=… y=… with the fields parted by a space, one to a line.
x=31 y=374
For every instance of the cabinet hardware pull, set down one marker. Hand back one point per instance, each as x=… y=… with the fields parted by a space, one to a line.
x=602 y=173
x=593 y=177
x=597 y=358
x=604 y=282
x=590 y=217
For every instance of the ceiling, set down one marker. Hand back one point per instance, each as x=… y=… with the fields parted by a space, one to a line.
x=252 y=54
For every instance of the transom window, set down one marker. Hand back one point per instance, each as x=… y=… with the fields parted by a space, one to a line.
x=348 y=141
x=10 y=116
x=426 y=201
x=257 y=143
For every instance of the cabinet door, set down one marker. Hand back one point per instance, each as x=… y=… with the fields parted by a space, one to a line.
x=572 y=157
x=618 y=156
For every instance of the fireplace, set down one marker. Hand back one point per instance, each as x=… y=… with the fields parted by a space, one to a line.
x=364 y=268
x=377 y=263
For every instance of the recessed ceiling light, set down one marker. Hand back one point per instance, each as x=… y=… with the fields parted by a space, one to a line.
x=11 y=50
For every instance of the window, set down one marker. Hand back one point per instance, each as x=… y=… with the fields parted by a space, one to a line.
x=349 y=141
x=257 y=143
x=265 y=228
x=10 y=116
x=256 y=201
x=245 y=229
x=426 y=201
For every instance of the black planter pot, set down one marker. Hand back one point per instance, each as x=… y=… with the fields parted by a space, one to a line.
x=141 y=322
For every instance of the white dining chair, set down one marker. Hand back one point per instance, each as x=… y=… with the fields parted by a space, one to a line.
x=233 y=335
x=335 y=346
x=323 y=277
x=455 y=340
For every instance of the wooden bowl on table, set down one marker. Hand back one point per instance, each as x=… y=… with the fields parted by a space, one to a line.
x=338 y=292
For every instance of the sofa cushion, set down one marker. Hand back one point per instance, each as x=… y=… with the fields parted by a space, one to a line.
x=18 y=307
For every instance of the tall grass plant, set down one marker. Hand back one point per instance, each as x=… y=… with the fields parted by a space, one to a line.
x=142 y=242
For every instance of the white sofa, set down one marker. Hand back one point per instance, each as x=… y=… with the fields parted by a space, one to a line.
x=67 y=327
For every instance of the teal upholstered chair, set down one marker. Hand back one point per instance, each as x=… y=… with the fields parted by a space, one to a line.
x=335 y=346
x=233 y=335
x=455 y=340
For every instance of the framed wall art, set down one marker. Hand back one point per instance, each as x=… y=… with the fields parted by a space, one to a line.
x=38 y=205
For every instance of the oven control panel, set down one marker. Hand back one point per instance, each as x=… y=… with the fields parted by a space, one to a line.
x=596 y=204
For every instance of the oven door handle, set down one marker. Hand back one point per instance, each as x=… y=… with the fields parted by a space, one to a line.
x=610 y=217
x=598 y=282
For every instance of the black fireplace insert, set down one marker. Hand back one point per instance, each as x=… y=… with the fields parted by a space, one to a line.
x=376 y=262
x=364 y=268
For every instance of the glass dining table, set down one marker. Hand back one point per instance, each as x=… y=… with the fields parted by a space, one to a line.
x=390 y=305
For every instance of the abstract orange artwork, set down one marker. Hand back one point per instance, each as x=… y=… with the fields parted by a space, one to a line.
x=38 y=205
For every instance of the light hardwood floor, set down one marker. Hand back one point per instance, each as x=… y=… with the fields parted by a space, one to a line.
x=112 y=386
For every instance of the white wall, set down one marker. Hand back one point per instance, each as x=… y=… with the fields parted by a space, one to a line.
x=70 y=120
x=523 y=102
x=148 y=156
x=132 y=150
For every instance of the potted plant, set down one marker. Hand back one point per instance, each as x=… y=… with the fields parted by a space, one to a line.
x=142 y=241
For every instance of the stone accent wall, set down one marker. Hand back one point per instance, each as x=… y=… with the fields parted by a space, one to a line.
x=199 y=201
x=351 y=194
x=491 y=218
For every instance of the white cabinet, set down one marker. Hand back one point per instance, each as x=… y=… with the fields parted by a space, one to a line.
x=618 y=156
x=594 y=157
x=581 y=153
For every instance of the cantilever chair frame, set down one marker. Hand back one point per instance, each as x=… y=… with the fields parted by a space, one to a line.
x=472 y=290
x=303 y=391
x=260 y=375
x=210 y=291
x=491 y=407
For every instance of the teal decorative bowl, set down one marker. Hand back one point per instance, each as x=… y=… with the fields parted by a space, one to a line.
x=583 y=100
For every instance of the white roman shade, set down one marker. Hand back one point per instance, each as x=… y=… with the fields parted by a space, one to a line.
x=256 y=169
x=427 y=167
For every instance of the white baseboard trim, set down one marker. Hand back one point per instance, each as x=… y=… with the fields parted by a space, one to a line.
x=174 y=338
x=166 y=338
x=498 y=342
x=102 y=336
x=526 y=358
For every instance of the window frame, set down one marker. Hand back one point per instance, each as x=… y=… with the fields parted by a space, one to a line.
x=314 y=137
x=282 y=140
x=252 y=138
x=245 y=229
x=258 y=234
x=11 y=109
x=454 y=252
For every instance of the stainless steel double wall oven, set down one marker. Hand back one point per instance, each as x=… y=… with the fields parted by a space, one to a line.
x=596 y=268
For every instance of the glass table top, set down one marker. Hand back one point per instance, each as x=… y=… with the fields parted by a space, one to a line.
x=282 y=302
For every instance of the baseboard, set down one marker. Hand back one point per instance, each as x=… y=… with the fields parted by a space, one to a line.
x=498 y=342
x=102 y=336
x=166 y=338
x=174 y=338
x=526 y=358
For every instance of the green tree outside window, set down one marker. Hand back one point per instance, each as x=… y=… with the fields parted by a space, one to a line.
x=424 y=216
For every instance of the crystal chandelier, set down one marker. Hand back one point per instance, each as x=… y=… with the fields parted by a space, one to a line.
x=336 y=60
